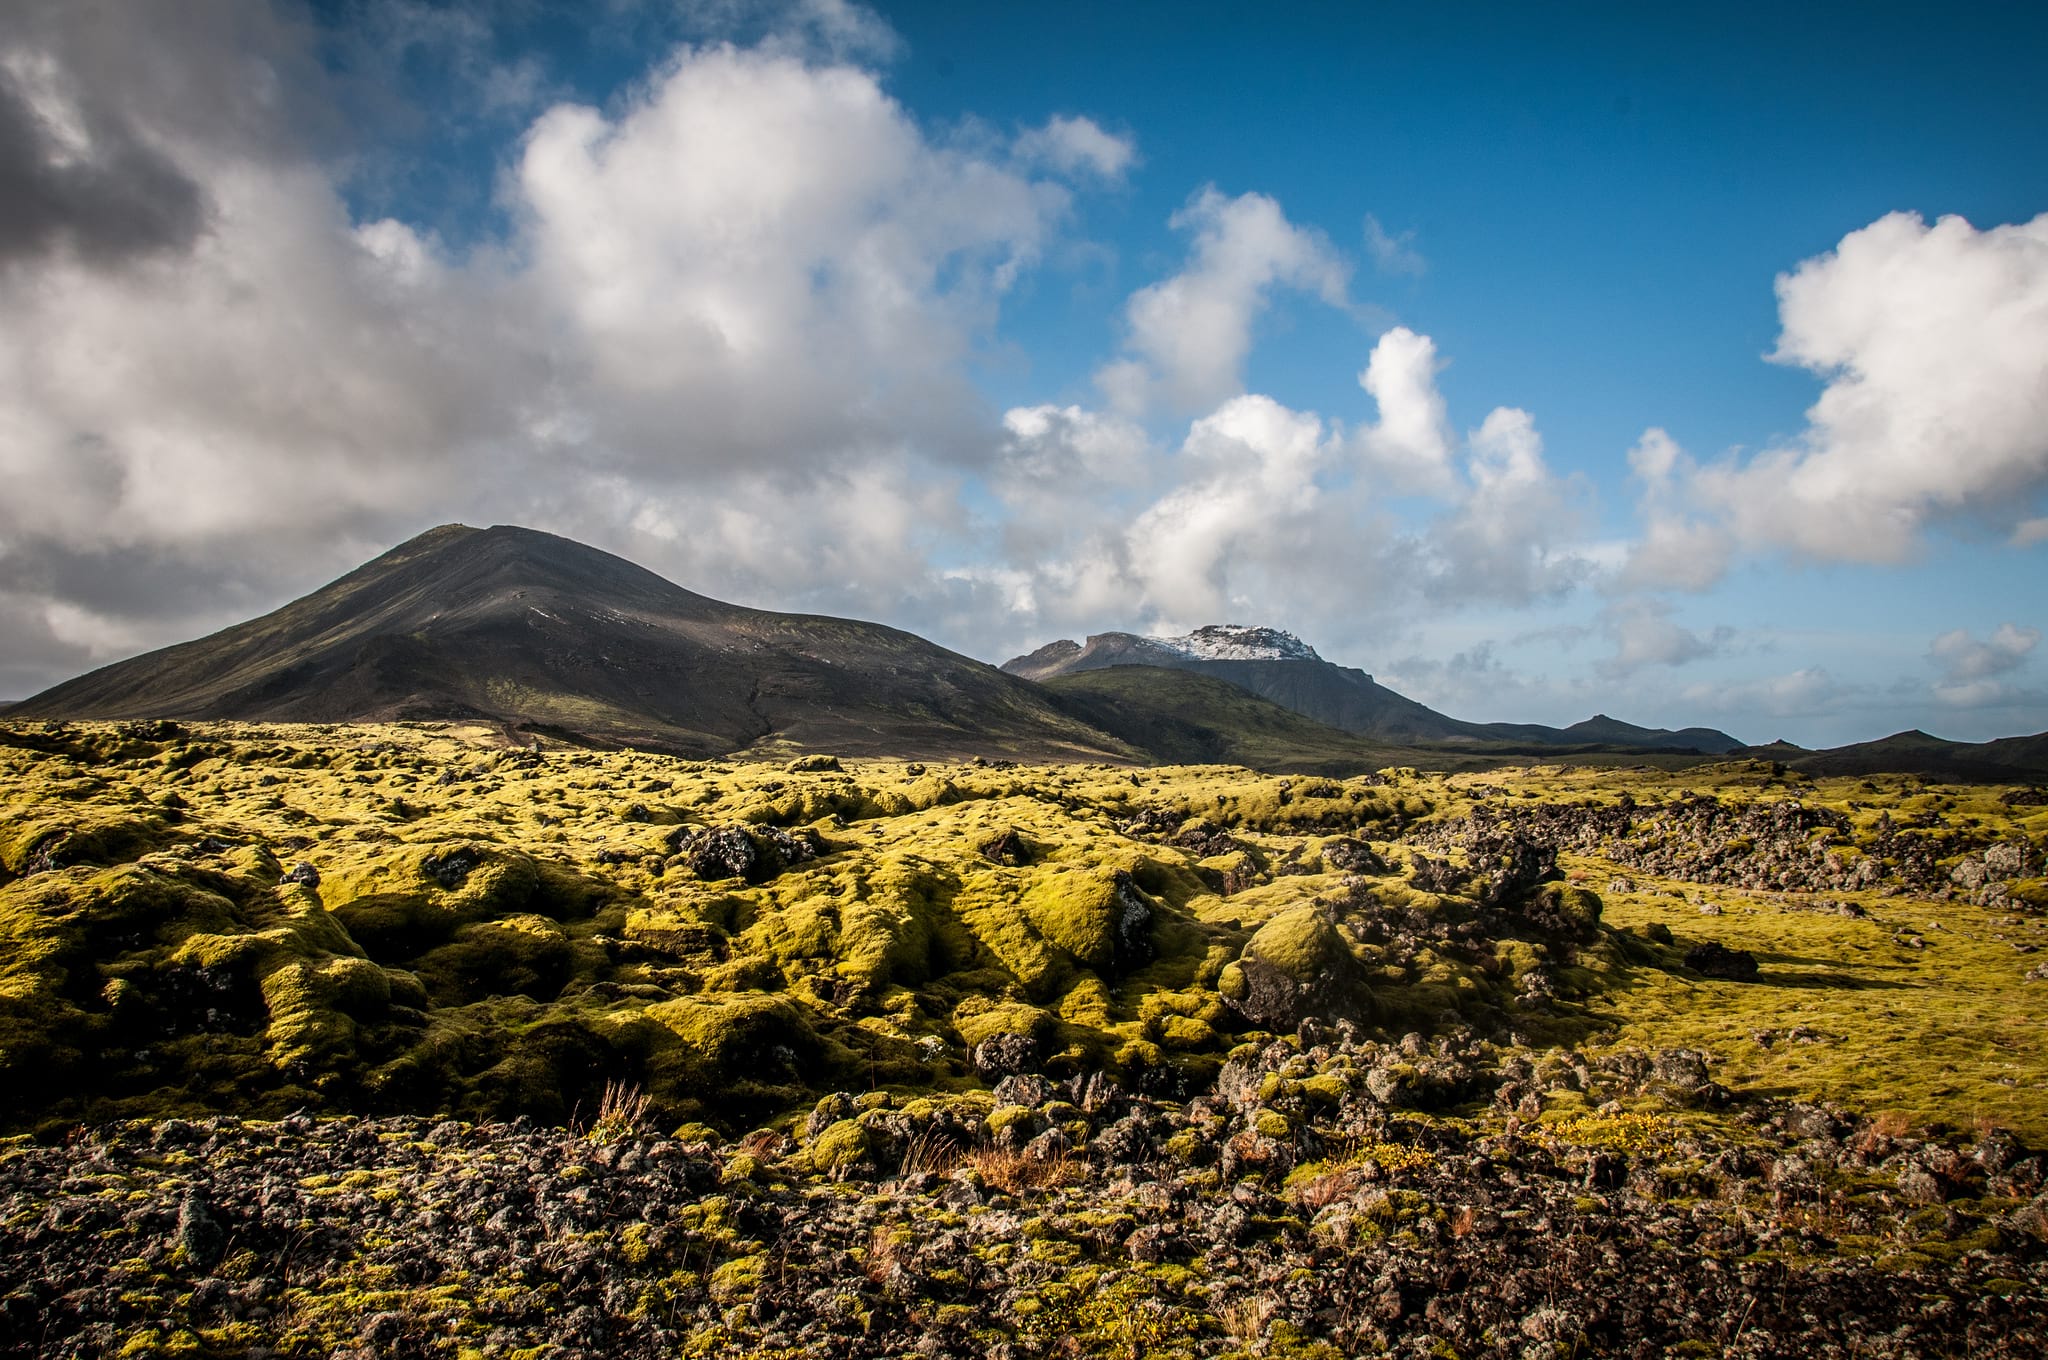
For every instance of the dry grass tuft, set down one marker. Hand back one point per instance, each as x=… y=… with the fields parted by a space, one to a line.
x=1016 y=1173
x=1244 y=1320
x=764 y=1144
x=884 y=1256
x=931 y=1154
x=621 y=1114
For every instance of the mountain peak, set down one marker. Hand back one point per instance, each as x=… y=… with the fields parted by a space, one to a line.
x=532 y=631
x=1239 y=642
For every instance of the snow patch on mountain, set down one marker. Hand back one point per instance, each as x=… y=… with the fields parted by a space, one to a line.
x=1237 y=642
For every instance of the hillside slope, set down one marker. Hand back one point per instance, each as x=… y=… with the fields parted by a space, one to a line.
x=1185 y=718
x=540 y=633
x=1278 y=666
x=1920 y=753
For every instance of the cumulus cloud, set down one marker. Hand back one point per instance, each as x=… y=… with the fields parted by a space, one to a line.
x=1188 y=335
x=1410 y=446
x=98 y=111
x=1972 y=670
x=1073 y=145
x=1063 y=474
x=1676 y=548
x=1271 y=512
x=1933 y=344
x=763 y=259
x=1255 y=464
x=1645 y=634
x=1513 y=532
x=739 y=299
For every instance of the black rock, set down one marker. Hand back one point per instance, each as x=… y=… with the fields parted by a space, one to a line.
x=1718 y=961
x=1004 y=1055
x=200 y=1235
x=1007 y=848
x=451 y=869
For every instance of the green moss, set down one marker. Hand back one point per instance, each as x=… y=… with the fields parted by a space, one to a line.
x=1008 y=1116
x=1300 y=942
x=524 y=954
x=978 y=1019
x=516 y=940
x=839 y=1146
x=738 y=1278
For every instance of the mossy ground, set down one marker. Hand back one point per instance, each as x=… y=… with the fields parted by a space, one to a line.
x=487 y=931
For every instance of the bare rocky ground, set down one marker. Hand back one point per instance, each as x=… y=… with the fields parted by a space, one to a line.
x=1309 y=1204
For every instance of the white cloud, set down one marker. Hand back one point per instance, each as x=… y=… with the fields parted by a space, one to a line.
x=769 y=260
x=1057 y=448
x=1189 y=334
x=1410 y=446
x=1393 y=254
x=1933 y=341
x=1253 y=466
x=1273 y=513
x=1645 y=634
x=1063 y=474
x=1676 y=549
x=1972 y=670
x=1513 y=534
x=1072 y=145
x=1963 y=657
x=1807 y=692
x=845 y=31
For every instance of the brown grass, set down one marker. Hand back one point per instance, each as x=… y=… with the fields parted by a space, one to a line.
x=931 y=1154
x=1244 y=1320
x=763 y=1143
x=1330 y=1187
x=884 y=1256
x=621 y=1114
x=1016 y=1173
x=1881 y=1131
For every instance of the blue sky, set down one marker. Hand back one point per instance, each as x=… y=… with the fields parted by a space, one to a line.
x=1005 y=323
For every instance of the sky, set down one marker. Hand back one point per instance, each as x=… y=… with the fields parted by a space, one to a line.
x=1683 y=363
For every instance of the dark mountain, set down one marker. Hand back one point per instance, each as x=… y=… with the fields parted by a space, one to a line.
x=1601 y=730
x=1185 y=718
x=2006 y=760
x=539 y=633
x=1278 y=666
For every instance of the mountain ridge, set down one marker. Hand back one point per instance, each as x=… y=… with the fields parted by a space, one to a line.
x=537 y=632
x=1345 y=697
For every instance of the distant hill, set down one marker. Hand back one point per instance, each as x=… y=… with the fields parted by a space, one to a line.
x=2006 y=760
x=1278 y=666
x=540 y=633
x=1185 y=718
